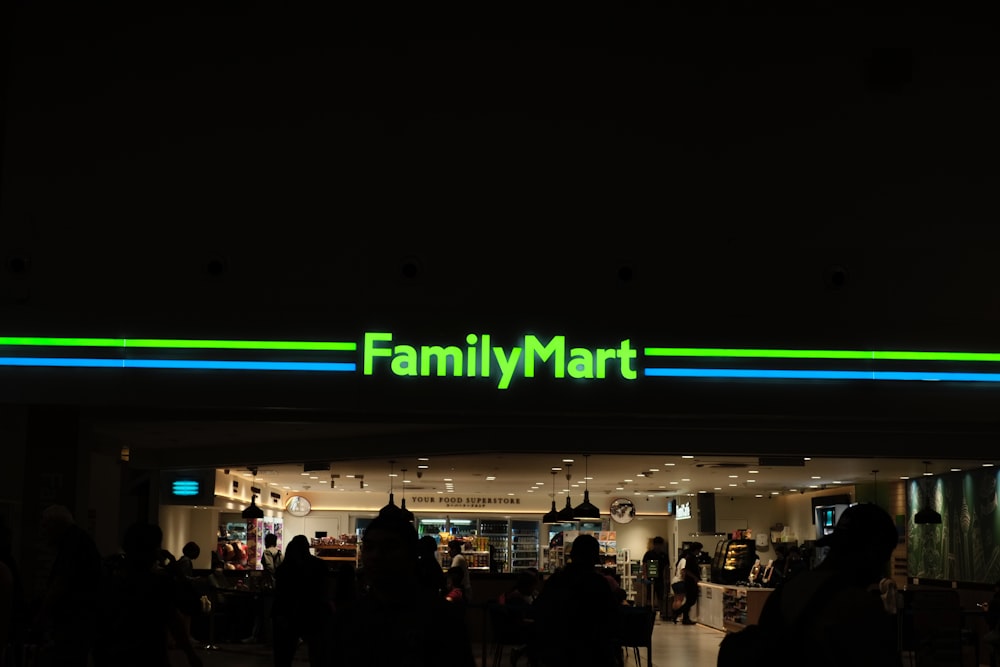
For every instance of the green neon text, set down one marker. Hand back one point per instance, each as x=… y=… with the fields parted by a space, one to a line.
x=477 y=357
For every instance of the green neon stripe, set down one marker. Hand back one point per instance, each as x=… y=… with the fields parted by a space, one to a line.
x=239 y=344
x=179 y=343
x=770 y=354
x=939 y=356
x=62 y=342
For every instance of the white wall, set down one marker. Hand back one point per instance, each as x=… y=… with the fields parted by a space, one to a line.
x=182 y=524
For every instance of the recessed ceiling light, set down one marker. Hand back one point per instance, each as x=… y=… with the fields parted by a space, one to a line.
x=956 y=470
x=490 y=478
x=556 y=468
x=567 y=460
x=510 y=494
x=718 y=488
x=627 y=481
x=322 y=481
x=654 y=470
x=619 y=488
x=734 y=485
x=775 y=493
x=641 y=474
x=816 y=477
x=753 y=472
x=807 y=458
x=734 y=477
x=669 y=464
x=987 y=465
x=588 y=478
x=836 y=481
x=311 y=477
x=687 y=456
x=662 y=487
x=814 y=486
x=407 y=481
x=751 y=481
x=759 y=495
x=447 y=479
x=349 y=476
x=685 y=479
x=793 y=489
x=674 y=483
x=905 y=477
x=304 y=474
x=423 y=458
x=423 y=467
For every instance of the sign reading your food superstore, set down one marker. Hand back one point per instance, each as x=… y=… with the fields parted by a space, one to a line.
x=481 y=357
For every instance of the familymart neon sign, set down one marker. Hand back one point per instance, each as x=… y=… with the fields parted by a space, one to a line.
x=478 y=358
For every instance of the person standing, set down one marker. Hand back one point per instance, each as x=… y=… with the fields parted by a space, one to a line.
x=66 y=617
x=458 y=560
x=655 y=566
x=303 y=606
x=576 y=602
x=692 y=575
x=846 y=621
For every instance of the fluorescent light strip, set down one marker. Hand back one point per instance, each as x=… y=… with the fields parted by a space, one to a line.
x=894 y=355
x=180 y=364
x=180 y=343
x=821 y=374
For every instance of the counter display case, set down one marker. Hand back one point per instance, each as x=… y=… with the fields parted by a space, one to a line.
x=336 y=549
x=523 y=545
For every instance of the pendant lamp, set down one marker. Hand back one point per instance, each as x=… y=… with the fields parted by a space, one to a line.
x=927 y=515
x=390 y=509
x=586 y=511
x=253 y=511
x=407 y=514
x=566 y=514
x=552 y=516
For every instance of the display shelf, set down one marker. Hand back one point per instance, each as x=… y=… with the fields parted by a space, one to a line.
x=335 y=549
x=524 y=546
x=741 y=606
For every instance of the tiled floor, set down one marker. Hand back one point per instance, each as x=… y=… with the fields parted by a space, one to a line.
x=691 y=646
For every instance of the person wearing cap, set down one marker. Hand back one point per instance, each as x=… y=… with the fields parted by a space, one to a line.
x=849 y=624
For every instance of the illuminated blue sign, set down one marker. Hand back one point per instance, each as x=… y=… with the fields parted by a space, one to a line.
x=185 y=487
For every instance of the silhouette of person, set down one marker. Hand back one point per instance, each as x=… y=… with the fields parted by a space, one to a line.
x=396 y=615
x=303 y=606
x=851 y=627
x=66 y=616
x=655 y=570
x=691 y=576
x=458 y=560
x=185 y=564
x=428 y=565
x=13 y=605
x=576 y=602
x=270 y=560
x=137 y=608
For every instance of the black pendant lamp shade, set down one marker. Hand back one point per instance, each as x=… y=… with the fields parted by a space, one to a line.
x=927 y=515
x=567 y=514
x=253 y=512
x=586 y=511
x=407 y=514
x=552 y=516
x=390 y=509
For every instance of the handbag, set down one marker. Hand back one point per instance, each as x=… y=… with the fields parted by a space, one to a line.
x=677 y=587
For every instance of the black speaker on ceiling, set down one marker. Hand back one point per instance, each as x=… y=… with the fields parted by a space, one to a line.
x=706 y=512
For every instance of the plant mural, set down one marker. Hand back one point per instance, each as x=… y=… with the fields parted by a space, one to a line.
x=965 y=546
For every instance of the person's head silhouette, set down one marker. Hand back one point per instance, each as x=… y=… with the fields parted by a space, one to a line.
x=586 y=551
x=861 y=542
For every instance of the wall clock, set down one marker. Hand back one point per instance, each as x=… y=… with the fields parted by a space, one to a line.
x=298 y=506
x=622 y=510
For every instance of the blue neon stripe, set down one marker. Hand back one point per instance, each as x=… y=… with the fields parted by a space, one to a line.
x=241 y=365
x=54 y=361
x=758 y=373
x=179 y=364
